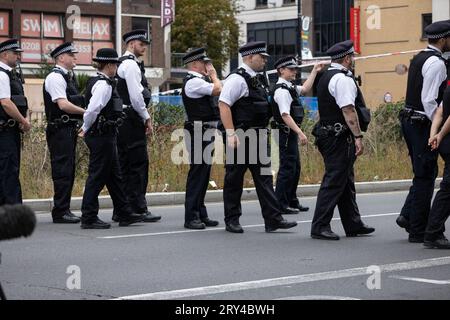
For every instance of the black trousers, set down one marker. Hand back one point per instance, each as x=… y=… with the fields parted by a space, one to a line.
x=198 y=176
x=338 y=184
x=10 y=189
x=261 y=173
x=62 y=143
x=440 y=210
x=289 y=171
x=134 y=163
x=424 y=164
x=104 y=170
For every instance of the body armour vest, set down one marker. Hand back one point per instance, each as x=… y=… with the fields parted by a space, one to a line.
x=415 y=81
x=17 y=95
x=122 y=87
x=329 y=110
x=254 y=110
x=296 y=111
x=199 y=109
x=52 y=111
x=114 y=108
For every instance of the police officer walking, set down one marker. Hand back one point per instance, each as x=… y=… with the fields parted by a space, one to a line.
x=200 y=86
x=288 y=115
x=245 y=112
x=132 y=140
x=101 y=120
x=425 y=88
x=339 y=139
x=13 y=120
x=64 y=109
x=440 y=140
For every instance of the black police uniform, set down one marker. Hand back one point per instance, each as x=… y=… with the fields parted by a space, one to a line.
x=132 y=140
x=290 y=166
x=336 y=144
x=10 y=188
x=251 y=113
x=416 y=129
x=440 y=209
x=202 y=115
x=61 y=133
x=104 y=168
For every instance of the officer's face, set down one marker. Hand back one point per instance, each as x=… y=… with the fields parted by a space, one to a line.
x=68 y=60
x=139 y=48
x=289 y=73
x=447 y=45
x=111 y=69
x=259 y=62
x=12 y=58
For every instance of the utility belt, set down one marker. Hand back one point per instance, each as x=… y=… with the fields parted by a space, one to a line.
x=190 y=125
x=64 y=121
x=412 y=116
x=330 y=129
x=8 y=125
x=103 y=125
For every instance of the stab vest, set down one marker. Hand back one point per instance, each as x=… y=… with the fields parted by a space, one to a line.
x=254 y=110
x=17 y=95
x=52 y=111
x=199 y=109
x=122 y=87
x=296 y=111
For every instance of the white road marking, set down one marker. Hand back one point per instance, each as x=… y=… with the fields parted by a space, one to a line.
x=431 y=281
x=283 y=281
x=221 y=228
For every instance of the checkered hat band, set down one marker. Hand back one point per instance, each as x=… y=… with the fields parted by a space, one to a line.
x=343 y=54
x=438 y=36
x=287 y=63
x=193 y=58
x=64 y=50
x=136 y=36
x=253 y=51
x=9 y=47
x=106 y=58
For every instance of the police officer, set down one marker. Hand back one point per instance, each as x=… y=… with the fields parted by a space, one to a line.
x=245 y=112
x=13 y=120
x=200 y=86
x=339 y=139
x=132 y=140
x=64 y=109
x=288 y=115
x=440 y=140
x=101 y=119
x=425 y=88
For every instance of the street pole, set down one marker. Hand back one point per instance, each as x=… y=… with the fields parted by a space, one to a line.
x=299 y=30
x=119 y=27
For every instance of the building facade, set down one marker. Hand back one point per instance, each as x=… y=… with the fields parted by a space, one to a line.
x=41 y=25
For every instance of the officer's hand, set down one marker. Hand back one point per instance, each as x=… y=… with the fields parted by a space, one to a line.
x=359 y=147
x=303 y=138
x=81 y=133
x=211 y=70
x=148 y=127
x=320 y=66
x=435 y=141
x=233 y=141
x=25 y=125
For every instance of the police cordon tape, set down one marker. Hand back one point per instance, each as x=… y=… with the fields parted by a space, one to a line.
x=177 y=198
x=327 y=60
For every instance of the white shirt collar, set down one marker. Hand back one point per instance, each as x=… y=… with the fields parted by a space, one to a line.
x=339 y=66
x=5 y=66
x=434 y=48
x=281 y=80
x=101 y=73
x=195 y=73
x=62 y=68
x=128 y=53
x=249 y=70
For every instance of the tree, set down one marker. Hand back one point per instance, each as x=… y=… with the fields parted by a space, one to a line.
x=206 y=23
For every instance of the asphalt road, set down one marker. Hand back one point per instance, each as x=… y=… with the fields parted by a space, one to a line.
x=165 y=261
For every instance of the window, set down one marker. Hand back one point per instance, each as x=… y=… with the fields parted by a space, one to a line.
x=4 y=25
x=288 y=2
x=331 y=23
x=40 y=34
x=427 y=19
x=146 y=24
x=280 y=37
x=261 y=3
x=91 y=34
